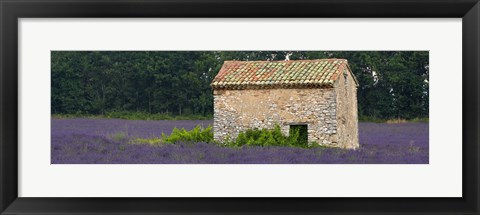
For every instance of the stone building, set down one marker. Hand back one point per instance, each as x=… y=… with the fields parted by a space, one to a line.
x=320 y=96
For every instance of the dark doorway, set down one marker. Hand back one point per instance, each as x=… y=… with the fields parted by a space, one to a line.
x=300 y=132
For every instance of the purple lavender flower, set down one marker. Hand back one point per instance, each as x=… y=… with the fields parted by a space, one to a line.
x=106 y=141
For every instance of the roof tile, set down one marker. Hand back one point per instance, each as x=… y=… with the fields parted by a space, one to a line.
x=278 y=74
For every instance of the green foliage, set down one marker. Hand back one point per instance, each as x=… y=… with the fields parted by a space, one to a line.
x=392 y=120
x=164 y=84
x=250 y=137
x=300 y=133
x=371 y=119
x=267 y=137
x=136 y=116
x=121 y=148
x=425 y=119
x=119 y=136
x=150 y=141
x=157 y=116
x=197 y=134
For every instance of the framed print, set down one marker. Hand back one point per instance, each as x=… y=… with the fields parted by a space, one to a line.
x=229 y=107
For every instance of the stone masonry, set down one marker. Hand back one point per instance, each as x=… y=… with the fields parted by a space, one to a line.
x=329 y=111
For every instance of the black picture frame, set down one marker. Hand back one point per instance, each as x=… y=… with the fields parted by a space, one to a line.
x=11 y=11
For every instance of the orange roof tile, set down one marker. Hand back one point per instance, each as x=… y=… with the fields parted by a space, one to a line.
x=279 y=74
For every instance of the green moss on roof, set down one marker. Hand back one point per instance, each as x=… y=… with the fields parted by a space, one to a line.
x=279 y=74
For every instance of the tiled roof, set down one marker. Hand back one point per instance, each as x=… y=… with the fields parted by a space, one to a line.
x=279 y=74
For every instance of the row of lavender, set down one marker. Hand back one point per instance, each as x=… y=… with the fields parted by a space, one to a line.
x=102 y=141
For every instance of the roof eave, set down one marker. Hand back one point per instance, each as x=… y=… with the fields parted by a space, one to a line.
x=353 y=76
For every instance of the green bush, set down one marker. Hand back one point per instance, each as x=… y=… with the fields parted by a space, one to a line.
x=266 y=137
x=250 y=137
x=197 y=134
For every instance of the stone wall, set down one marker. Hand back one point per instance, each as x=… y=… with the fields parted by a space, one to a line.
x=238 y=110
x=347 y=113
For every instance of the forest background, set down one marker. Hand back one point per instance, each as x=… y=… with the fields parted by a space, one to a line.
x=176 y=84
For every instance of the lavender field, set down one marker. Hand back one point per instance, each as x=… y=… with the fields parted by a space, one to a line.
x=108 y=141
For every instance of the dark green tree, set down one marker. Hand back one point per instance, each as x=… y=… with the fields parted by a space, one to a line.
x=392 y=84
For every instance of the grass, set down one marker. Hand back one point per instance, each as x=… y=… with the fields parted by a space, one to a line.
x=163 y=116
x=119 y=136
x=150 y=141
x=392 y=121
x=135 y=116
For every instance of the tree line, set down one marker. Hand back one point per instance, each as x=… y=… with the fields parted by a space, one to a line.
x=393 y=84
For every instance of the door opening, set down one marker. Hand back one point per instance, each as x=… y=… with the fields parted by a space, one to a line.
x=300 y=133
